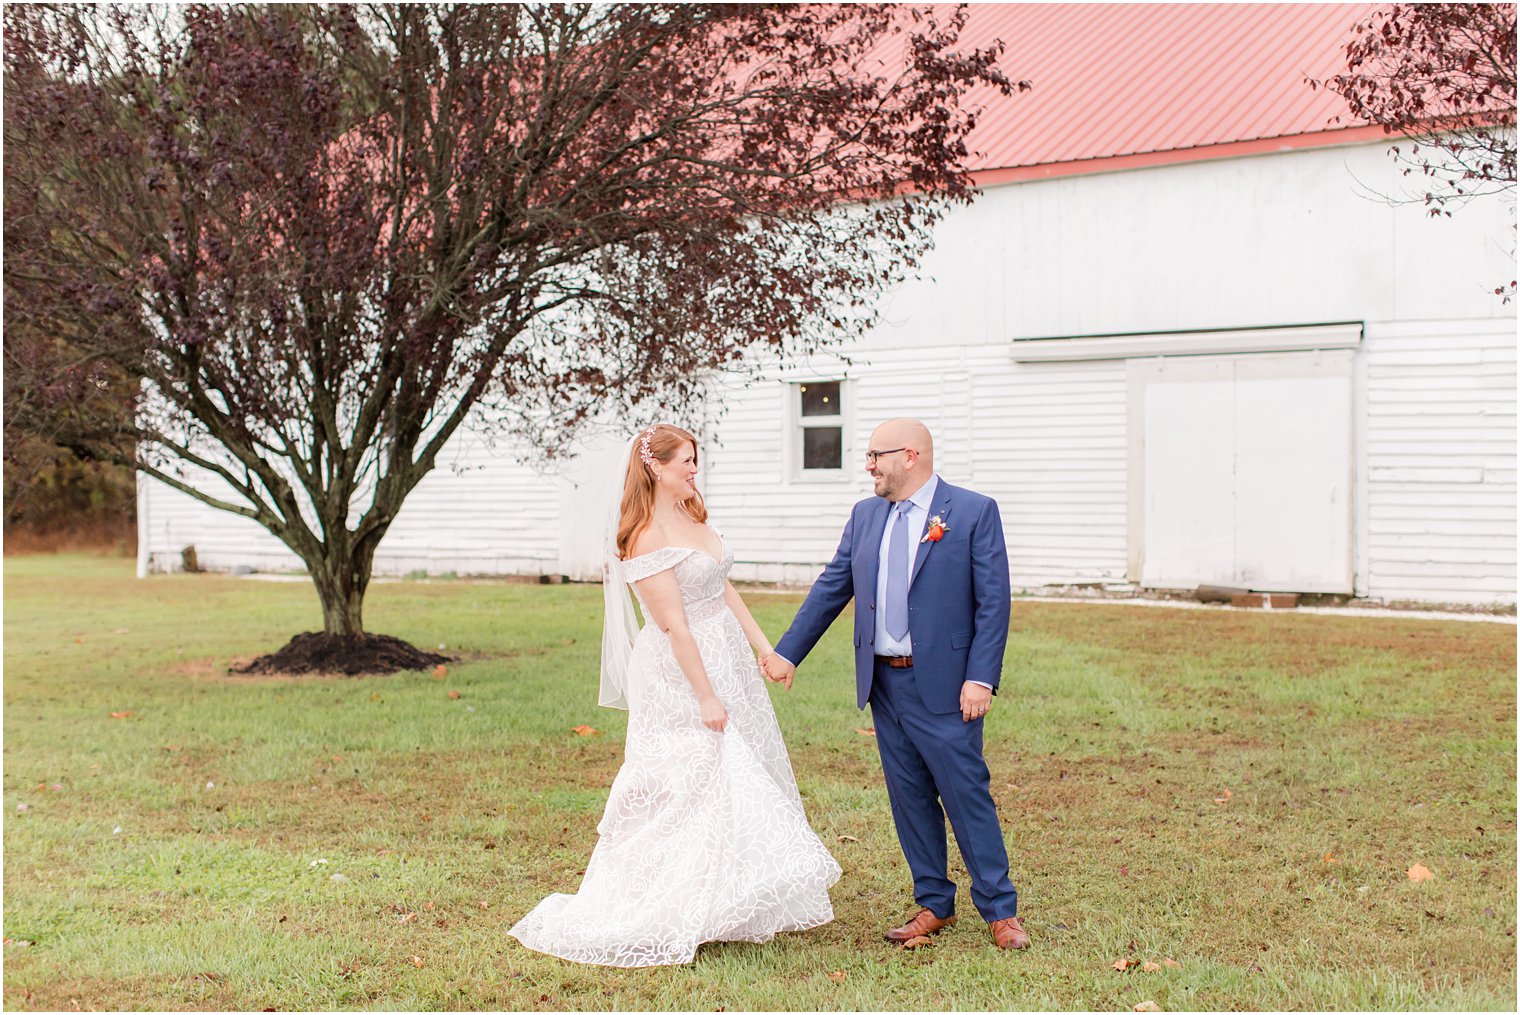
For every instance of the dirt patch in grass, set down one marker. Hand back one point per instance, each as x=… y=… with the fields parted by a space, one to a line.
x=445 y=800
x=235 y=670
x=1276 y=639
x=350 y=655
x=202 y=992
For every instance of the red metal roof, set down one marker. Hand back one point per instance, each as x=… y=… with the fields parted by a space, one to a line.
x=1136 y=84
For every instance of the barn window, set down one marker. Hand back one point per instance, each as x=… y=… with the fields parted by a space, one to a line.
x=820 y=426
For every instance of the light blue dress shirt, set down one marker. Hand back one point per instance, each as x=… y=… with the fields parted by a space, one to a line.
x=918 y=514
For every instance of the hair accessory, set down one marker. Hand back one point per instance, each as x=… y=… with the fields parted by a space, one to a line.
x=644 y=453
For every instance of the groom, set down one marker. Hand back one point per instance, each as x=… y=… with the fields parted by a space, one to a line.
x=925 y=563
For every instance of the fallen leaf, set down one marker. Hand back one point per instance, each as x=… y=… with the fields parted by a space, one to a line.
x=848 y=838
x=454 y=695
x=1171 y=963
x=121 y=715
x=426 y=816
x=1151 y=967
x=440 y=671
x=866 y=731
x=1419 y=872
x=1332 y=858
x=417 y=961
x=1123 y=964
x=917 y=942
x=585 y=731
x=173 y=748
x=428 y=906
x=1147 y=1006
x=1222 y=799
x=838 y=975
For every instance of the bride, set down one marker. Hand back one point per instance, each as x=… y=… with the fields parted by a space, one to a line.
x=704 y=837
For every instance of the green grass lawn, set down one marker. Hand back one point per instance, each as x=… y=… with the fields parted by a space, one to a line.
x=1241 y=794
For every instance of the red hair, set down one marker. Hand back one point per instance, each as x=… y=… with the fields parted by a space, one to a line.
x=664 y=440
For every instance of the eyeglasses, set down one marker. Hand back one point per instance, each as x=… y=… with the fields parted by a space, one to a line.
x=872 y=456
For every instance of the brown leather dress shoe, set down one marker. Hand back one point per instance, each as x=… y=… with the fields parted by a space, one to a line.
x=923 y=924
x=1009 y=933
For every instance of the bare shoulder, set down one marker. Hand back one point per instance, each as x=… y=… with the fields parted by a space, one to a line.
x=652 y=539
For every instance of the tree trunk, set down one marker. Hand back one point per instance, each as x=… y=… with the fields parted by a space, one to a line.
x=341 y=588
x=342 y=578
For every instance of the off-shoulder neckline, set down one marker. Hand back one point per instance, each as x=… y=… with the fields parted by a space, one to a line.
x=722 y=549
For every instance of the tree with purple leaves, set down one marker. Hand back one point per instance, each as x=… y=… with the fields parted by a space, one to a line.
x=325 y=238
x=1442 y=77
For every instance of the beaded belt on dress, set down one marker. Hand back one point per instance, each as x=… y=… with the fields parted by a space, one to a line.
x=704 y=610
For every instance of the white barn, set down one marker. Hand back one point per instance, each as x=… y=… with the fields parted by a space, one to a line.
x=1180 y=338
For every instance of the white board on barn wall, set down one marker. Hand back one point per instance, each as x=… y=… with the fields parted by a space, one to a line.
x=1240 y=471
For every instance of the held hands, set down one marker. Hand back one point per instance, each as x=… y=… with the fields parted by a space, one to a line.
x=777 y=670
x=714 y=715
x=975 y=700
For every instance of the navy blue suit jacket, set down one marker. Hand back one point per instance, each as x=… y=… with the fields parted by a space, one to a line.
x=958 y=597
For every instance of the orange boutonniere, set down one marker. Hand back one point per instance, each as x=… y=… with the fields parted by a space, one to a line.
x=937 y=530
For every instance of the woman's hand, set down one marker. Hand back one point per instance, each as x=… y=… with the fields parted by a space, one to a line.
x=714 y=715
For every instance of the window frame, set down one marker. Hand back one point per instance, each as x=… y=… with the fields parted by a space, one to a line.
x=793 y=470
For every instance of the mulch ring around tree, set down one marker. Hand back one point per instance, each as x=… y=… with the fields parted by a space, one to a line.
x=350 y=655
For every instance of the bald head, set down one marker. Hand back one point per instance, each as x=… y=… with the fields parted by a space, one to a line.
x=904 y=432
x=898 y=475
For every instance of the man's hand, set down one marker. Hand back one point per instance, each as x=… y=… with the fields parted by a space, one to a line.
x=777 y=670
x=975 y=700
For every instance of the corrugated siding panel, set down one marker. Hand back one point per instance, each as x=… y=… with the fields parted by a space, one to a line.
x=479 y=512
x=1440 y=460
x=1048 y=443
x=1051 y=449
x=168 y=521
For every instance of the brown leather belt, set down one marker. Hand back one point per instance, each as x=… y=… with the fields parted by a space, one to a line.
x=897 y=662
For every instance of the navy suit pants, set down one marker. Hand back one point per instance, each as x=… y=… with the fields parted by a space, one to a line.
x=934 y=767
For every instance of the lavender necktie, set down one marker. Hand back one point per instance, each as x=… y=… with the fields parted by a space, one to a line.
x=897 y=573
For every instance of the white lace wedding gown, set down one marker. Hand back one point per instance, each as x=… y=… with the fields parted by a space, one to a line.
x=704 y=837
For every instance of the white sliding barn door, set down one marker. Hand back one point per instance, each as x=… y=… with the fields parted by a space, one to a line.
x=1240 y=471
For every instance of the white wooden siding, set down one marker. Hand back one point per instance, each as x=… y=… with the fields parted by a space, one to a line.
x=1440 y=460
x=479 y=512
x=1288 y=238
